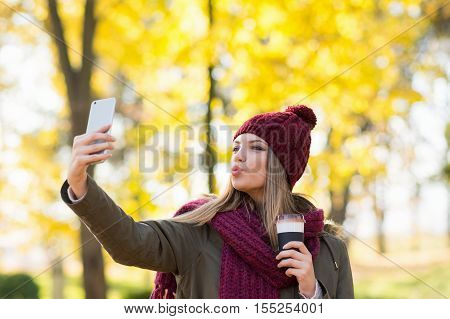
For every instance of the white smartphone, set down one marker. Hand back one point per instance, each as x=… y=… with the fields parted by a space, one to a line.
x=101 y=114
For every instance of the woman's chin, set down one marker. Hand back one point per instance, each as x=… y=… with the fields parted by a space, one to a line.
x=237 y=184
x=240 y=184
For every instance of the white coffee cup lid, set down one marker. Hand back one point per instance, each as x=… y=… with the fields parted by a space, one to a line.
x=290 y=227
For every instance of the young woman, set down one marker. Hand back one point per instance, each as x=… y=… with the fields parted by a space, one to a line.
x=226 y=246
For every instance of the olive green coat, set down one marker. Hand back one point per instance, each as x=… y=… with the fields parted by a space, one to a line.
x=190 y=252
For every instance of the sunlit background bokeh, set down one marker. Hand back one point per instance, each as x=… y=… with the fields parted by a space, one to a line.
x=376 y=73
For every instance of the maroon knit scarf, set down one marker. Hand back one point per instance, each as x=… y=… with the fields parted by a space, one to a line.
x=248 y=266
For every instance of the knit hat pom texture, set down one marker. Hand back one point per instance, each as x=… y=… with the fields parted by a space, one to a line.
x=305 y=113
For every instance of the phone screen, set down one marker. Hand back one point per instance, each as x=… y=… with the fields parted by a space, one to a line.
x=101 y=114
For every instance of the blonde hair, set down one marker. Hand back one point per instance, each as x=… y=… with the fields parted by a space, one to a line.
x=278 y=199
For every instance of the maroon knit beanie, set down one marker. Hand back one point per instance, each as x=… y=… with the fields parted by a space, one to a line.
x=288 y=134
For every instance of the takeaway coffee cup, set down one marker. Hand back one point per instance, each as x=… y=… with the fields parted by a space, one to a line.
x=290 y=227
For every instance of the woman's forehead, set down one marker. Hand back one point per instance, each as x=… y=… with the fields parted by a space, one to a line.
x=248 y=138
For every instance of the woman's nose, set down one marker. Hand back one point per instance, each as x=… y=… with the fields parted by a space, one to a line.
x=240 y=156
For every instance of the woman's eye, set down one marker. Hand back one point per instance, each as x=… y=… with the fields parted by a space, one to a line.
x=255 y=148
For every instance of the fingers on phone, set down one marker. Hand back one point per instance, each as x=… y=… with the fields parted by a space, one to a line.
x=98 y=147
x=104 y=128
x=105 y=136
x=92 y=158
x=100 y=136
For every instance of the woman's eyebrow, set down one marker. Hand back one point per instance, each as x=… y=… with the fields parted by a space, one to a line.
x=259 y=141
x=252 y=141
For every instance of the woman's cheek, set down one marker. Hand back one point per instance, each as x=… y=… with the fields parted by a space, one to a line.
x=258 y=171
x=256 y=178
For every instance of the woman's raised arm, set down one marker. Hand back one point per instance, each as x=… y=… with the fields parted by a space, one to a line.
x=159 y=245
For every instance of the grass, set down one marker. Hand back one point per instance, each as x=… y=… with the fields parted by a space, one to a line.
x=419 y=269
x=432 y=283
x=129 y=282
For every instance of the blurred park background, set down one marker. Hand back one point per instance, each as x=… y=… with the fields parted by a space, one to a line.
x=376 y=73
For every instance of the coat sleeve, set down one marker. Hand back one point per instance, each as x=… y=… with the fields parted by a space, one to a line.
x=159 y=245
x=345 y=278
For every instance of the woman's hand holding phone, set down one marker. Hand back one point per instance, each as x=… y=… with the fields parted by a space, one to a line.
x=82 y=157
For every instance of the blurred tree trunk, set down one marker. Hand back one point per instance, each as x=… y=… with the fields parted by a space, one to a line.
x=446 y=173
x=339 y=198
x=339 y=201
x=78 y=90
x=210 y=155
x=57 y=277
x=415 y=240
x=379 y=208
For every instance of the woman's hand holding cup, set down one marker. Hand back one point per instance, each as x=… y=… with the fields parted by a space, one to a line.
x=298 y=260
